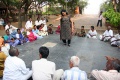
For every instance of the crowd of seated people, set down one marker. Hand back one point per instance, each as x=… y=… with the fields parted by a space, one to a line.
x=14 y=68
x=15 y=36
x=108 y=36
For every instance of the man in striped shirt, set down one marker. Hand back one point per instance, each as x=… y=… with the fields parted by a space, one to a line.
x=74 y=73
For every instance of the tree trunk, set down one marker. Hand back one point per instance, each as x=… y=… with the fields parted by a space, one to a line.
x=19 y=19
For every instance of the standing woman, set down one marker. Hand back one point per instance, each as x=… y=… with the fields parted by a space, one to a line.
x=66 y=28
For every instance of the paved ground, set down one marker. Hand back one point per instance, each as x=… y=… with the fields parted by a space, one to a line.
x=92 y=52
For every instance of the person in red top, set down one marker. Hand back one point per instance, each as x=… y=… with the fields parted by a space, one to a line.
x=31 y=35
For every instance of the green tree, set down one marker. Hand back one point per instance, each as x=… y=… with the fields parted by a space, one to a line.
x=82 y=4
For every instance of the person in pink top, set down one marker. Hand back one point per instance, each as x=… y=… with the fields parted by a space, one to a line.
x=31 y=35
x=58 y=30
x=111 y=72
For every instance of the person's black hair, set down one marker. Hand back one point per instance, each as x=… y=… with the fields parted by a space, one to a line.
x=82 y=26
x=92 y=27
x=7 y=30
x=18 y=30
x=101 y=12
x=64 y=11
x=34 y=26
x=116 y=65
x=12 y=51
x=51 y=25
x=44 y=51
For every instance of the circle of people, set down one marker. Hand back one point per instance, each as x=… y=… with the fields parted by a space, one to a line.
x=14 y=68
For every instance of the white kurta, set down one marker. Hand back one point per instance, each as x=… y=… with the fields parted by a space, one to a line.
x=15 y=69
x=116 y=37
x=43 y=21
x=106 y=35
x=38 y=22
x=43 y=31
x=28 y=24
x=93 y=33
x=11 y=28
x=43 y=69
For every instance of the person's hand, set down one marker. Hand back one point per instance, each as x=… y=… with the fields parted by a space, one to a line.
x=72 y=30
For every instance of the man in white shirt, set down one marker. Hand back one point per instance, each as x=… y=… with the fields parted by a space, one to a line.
x=38 y=22
x=29 y=24
x=15 y=68
x=44 y=69
x=43 y=20
x=74 y=73
x=10 y=27
x=107 y=35
x=92 y=33
x=115 y=41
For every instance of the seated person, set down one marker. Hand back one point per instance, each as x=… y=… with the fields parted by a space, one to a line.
x=74 y=73
x=92 y=33
x=58 y=30
x=4 y=47
x=115 y=41
x=9 y=39
x=82 y=33
x=35 y=31
x=107 y=35
x=44 y=68
x=43 y=30
x=15 y=68
x=112 y=73
x=1 y=21
x=24 y=32
x=31 y=35
x=2 y=60
x=50 y=31
x=38 y=22
x=43 y=20
x=11 y=28
x=29 y=24
x=20 y=37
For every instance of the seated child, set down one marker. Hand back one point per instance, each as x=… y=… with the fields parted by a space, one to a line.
x=82 y=33
x=50 y=31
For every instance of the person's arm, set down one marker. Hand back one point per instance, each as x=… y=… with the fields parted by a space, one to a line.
x=23 y=68
x=64 y=75
x=53 y=69
x=72 y=25
x=6 y=27
x=95 y=74
x=57 y=19
x=111 y=33
x=89 y=32
x=13 y=27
